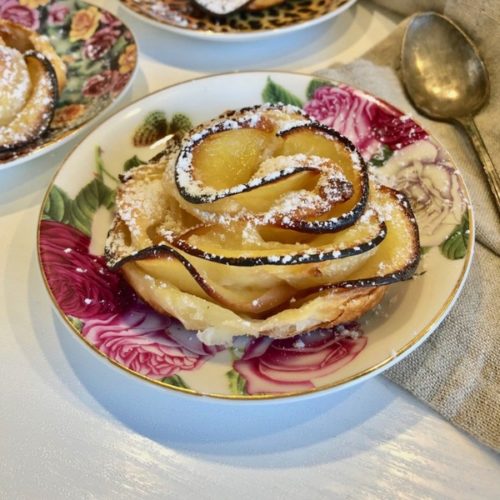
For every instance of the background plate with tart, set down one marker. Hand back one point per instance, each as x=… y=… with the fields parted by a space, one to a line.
x=100 y=56
x=187 y=18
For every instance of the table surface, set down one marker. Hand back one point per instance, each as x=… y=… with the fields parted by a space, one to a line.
x=72 y=426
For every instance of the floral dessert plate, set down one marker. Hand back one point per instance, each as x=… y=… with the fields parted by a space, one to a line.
x=186 y=18
x=100 y=55
x=105 y=314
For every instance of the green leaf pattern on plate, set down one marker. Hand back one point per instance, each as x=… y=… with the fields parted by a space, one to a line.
x=380 y=158
x=237 y=384
x=57 y=206
x=455 y=246
x=275 y=94
x=316 y=84
x=176 y=381
x=76 y=322
x=153 y=128
x=79 y=212
x=179 y=124
x=94 y=195
x=132 y=162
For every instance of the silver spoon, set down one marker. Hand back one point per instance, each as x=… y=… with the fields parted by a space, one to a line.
x=446 y=79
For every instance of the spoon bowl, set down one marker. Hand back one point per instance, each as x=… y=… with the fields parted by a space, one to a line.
x=443 y=72
x=446 y=79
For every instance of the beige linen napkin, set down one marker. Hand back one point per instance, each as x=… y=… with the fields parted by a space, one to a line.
x=457 y=370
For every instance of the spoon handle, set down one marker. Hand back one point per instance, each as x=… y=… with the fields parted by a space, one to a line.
x=489 y=169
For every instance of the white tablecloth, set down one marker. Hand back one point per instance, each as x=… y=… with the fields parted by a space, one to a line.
x=72 y=426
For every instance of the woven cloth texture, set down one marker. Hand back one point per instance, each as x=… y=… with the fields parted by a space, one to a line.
x=457 y=370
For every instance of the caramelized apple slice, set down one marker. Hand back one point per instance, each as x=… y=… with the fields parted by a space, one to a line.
x=230 y=158
x=259 y=161
x=35 y=117
x=318 y=140
x=397 y=257
x=240 y=291
x=190 y=276
x=24 y=39
x=230 y=245
x=217 y=324
x=120 y=250
x=218 y=160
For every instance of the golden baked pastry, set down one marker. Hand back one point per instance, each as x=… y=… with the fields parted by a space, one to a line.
x=262 y=222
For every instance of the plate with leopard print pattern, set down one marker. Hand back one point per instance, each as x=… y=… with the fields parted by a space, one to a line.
x=186 y=18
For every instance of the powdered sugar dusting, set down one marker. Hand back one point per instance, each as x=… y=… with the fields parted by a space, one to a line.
x=35 y=113
x=15 y=83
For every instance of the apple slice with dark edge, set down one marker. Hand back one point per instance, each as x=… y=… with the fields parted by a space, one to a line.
x=318 y=140
x=394 y=259
x=217 y=324
x=225 y=166
x=119 y=251
x=226 y=244
x=398 y=255
x=35 y=117
x=189 y=275
x=225 y=285
x=211 y=242
x=222 y=161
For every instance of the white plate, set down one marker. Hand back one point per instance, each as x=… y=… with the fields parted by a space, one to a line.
x=74 y=223
x=179 y=17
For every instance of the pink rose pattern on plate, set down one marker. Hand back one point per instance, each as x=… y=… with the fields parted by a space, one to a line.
x=366 y=122
x=111 y=318
x=412 y=162
x=81 y=283
x=13 y=11
x=147 y=343
x=289 y=365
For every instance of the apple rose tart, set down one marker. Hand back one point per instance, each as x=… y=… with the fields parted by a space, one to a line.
x=261 y=222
